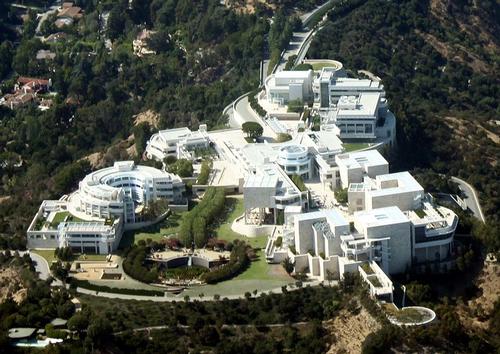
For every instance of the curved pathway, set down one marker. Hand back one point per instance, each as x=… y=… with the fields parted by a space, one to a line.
x=472 y=200
x=180 y=297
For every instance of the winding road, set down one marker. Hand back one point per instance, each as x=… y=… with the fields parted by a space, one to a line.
x=471 y=200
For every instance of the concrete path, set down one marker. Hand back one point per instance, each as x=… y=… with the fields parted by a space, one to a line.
x=44 y=16
x=471 y=200
x=180 y=297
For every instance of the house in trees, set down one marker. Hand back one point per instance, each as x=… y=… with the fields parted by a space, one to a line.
x=68 y=14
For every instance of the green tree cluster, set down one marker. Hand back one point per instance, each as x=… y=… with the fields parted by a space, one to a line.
x=252 y=129
x=182 y=168
x=239 y=260
x=194 y=226
x=205 y=169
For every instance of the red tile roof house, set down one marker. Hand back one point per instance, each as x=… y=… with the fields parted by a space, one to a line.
x=34 y=84
x=25 y=91
x=68 y=14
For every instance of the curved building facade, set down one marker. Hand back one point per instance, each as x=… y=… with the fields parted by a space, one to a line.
x=123 y=190
x=295 y=160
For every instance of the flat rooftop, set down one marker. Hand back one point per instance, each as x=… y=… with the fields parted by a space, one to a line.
x=261 y=180
x=361 y=159
x=381 y=217
x=175 y=134
x=321 y=140
x=399 y=182
x=364 y=105
x=330 y=215
x=343 y=83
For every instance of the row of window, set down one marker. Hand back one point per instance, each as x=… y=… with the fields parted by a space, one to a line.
x=356 y=128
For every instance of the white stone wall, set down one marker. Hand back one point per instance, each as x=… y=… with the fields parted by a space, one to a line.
x=400 y=244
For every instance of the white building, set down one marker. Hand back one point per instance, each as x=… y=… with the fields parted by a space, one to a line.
x=399 y=189
x=285 y=86
x=109 y=200
x=329 y=86
x=179 y=142
x=401 y=228
x=123 y=190
x=267 y=192
x=356 y=117
x=93 y=235
x=355 y=166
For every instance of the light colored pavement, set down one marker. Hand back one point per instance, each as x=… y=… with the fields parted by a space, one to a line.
x=247 y=114
x=305 y=17
x=44 y=16
x=170 y=298
x=41 y=265
x=371 y=75
x=471 y=200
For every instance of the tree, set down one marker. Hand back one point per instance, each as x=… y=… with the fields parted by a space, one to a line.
x=60 y=271
x=181 y=167
x=78 y=322
x=282 y=137
x=341 y=195
x=252 y=129
x=116 y=22
x=98 y=332
x=288 y=265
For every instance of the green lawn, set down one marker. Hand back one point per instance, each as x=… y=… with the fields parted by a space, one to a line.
x=169 y=226
x=349 y=147
x=224 y=232
x=259 y=269
x=60 y=216
x=320 y=65
x=47 y=254
x=90 y=257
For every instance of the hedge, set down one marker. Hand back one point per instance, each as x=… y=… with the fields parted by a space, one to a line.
x=74 y=283
x=195 y=224
x=238 y=262
x=204 y=173
x=134 y=265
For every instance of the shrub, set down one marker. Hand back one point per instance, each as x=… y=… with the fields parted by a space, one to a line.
x=341 y=195
x=195 y=223
x=238 y=262
x=278 y=242
x=282 y=137
x=295 y=106
x=206 y=166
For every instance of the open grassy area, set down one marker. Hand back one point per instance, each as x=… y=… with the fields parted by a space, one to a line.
x=320 y=65
x=235 y=208
x=348 y=147
x=60 y=216
x=90 y=257
x=259 y=269
x=47 y=254
x=168 y=227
